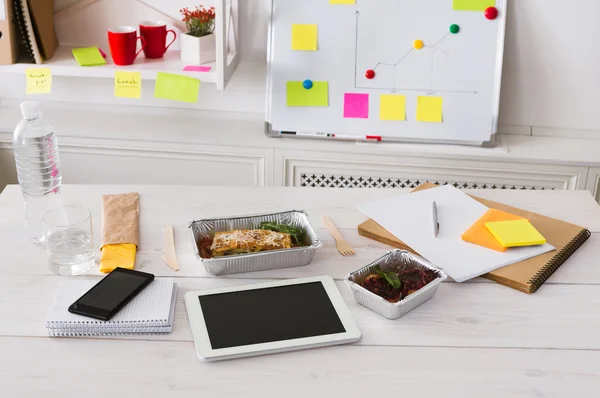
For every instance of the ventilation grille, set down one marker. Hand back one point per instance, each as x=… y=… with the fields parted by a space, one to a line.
x=340 y=181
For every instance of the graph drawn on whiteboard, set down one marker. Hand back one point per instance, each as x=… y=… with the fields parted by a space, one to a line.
x=431 y=55
x=404 y=70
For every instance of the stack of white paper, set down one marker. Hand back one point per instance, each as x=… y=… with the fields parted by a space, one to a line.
x=409 y=218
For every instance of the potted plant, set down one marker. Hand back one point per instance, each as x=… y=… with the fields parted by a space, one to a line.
x=198 y=44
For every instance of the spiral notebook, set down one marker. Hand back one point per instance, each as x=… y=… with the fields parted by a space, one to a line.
x=150 y=312
x=528 y=275
x=26 y=32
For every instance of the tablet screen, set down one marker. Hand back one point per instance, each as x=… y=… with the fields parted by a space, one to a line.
x=279 y=313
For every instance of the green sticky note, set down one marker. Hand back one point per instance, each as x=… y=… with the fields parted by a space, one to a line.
x=176 y=87
x=297 y=95
x=429 y=109
x=472 y=5
x=88 y=56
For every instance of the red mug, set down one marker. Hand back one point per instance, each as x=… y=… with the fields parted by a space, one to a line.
x=155 y=34
x=122 y=41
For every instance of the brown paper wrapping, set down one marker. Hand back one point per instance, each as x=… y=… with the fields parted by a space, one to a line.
x=120 y=219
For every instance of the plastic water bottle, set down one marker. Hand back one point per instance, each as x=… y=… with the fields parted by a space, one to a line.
x=38 y=168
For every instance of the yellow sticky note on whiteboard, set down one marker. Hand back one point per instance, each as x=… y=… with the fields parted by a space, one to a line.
x=39 y=81
x=342 y=1
x=128 y=84
x=305 y=37
x=392 y=107
x=429 y=109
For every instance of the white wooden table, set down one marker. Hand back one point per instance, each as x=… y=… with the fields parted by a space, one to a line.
x=476 y=339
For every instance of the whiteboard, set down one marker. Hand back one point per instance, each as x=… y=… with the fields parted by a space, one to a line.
x=463 y=69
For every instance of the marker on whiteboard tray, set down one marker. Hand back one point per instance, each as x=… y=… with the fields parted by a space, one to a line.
x=324 y=135
x=345 y=137
x=374 y=138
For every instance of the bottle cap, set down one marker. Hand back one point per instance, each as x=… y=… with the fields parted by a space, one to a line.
x=31 y=109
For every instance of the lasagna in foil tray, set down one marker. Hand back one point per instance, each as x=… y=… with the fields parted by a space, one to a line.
x=229 y=243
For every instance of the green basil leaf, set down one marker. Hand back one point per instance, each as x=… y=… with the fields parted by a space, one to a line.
x=391 y=277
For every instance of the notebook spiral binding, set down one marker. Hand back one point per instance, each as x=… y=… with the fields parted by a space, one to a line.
x=542 y=275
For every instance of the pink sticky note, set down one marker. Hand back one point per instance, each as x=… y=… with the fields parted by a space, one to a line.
x=356 y=106
x=192 y=68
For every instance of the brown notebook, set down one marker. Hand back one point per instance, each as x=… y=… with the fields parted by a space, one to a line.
x=526 y=276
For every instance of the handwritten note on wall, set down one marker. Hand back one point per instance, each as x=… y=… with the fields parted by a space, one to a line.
x=128 y=84
x=38 y=80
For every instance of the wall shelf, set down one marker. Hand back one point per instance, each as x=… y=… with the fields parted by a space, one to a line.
x=63 y=64
x=93 y=16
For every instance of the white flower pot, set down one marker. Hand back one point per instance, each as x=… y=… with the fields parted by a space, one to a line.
x=198 y=50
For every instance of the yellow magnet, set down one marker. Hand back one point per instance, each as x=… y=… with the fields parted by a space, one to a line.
x=418 y=44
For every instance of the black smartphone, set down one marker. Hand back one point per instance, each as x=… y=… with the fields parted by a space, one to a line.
x=111 y=294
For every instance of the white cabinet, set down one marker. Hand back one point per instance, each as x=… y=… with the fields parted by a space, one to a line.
x=325 y=169
x=169 y=164
x=593 y=182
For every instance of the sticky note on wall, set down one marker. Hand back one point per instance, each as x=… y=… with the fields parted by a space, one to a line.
x=176 y=87
x=38 y=81
x=392 y=107
x=128 y=84
x=305 y=37
x=356 y=106
x=429 y=109
x=297 y=95
x=472 y=5
x=342 y=1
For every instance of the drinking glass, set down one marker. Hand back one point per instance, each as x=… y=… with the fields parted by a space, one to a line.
x=69 y=242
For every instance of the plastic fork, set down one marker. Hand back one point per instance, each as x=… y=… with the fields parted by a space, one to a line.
x=342 y=246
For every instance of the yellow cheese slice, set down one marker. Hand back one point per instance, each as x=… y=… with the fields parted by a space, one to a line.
x=117 y=256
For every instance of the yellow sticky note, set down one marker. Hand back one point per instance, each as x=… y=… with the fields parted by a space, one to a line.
x=297 y=95
x=88 y=56
x=392 y=107
x=176 y=87
x=472 y=5
x=117 y=256
x=429 y=109
x=304 y=37
x=515 y=233
x=39 y=81
x=128 y=84
x=342 y=1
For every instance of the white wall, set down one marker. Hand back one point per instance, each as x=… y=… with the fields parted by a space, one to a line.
x=551 y=74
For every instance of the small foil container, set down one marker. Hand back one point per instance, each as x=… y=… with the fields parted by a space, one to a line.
x=261 y=261
x=397 y=260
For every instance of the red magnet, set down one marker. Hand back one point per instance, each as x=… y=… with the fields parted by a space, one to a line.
x=491 y=13
x=370 y=74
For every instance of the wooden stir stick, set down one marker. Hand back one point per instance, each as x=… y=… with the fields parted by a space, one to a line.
x=169 y=256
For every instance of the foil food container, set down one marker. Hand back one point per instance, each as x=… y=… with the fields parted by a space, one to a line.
x=261 y=261
x=397 y=260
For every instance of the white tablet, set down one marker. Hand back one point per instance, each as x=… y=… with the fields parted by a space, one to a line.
x=266 y=318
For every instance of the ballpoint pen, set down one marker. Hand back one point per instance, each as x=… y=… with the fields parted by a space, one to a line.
x=436 y=224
